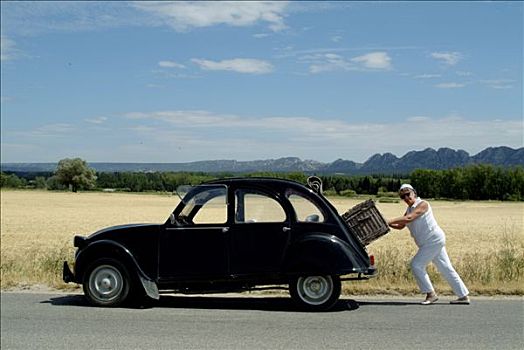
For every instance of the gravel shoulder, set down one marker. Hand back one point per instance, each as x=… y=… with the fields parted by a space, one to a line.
x=44 y=289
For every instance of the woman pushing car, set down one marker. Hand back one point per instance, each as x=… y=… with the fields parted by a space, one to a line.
x=431 y=241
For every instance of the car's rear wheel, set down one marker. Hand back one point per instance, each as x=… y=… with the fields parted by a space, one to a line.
x=315 y=292
x=107 y=283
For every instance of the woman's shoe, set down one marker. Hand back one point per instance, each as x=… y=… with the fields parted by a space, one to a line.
x=430 y=300
x=461 y=301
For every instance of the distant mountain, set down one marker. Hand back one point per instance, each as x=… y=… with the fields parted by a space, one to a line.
x=378 y=162
x=341 y=166
x=504 y=156
x=444 y=158
x=387 y=163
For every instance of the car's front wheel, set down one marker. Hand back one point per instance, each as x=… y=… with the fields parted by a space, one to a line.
x=315 y=293
x=106 y=283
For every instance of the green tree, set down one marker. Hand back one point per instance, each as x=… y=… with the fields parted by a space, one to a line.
x=516 y=187
x=427 y=182
x=75 y=173
x=40 y=182
x=11 y=181
x=53 y=184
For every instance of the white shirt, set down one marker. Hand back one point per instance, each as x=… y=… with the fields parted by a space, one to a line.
x=425 y=229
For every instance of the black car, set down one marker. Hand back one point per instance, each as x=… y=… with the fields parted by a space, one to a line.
x=227 y=235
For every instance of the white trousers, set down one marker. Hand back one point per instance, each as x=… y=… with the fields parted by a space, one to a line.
x=436 y=253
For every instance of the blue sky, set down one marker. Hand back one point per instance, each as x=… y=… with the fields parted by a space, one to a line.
x=186 y=81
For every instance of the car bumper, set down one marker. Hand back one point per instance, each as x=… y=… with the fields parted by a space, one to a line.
x=364 y=275
x=67 y=274
x=371 y=272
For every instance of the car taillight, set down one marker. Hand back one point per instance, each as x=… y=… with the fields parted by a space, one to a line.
x=372 y=260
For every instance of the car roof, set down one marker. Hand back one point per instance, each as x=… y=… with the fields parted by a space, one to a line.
x=260 y=181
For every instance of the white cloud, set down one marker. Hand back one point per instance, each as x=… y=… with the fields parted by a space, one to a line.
x=290 y=52
x=170 y=64
x=206 y=135
x=199 y=118
x=448 y=58
x=240 y=65
x=502 y=86
x=13 y=152
x=374 y=60
x=451 y=85
x=184 y=15
x=154 y=86
x=418 y=119
x=260 y=35
x=328 y=62
x=336 y=38
x=8 y=50
x=499 y=83
x=170 y=74
x=191 y=118
x=427 y=76
x=48 y=130
x=28 y=18
x=180 y=135
x=96 y=120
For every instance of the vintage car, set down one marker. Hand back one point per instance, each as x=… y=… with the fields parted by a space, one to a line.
x=227 y=235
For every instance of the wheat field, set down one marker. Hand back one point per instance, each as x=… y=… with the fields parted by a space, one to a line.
x=485 y=240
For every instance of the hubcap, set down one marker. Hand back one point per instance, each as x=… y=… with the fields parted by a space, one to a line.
x=315 y=290
x=105 y=283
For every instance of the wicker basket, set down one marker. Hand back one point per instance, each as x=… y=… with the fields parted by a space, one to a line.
x=366 y=222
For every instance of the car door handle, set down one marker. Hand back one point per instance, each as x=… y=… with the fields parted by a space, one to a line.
x=225 y=229
x=286 y=229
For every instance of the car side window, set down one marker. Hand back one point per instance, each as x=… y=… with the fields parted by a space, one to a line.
x=305 y=209
x=208 y=206
x=254 y=206
x=214 y=211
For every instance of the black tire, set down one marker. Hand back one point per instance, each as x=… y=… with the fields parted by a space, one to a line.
x=315 y=293
x=107 y=283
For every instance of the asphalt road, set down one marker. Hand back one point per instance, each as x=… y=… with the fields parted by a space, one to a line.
x=61 y=321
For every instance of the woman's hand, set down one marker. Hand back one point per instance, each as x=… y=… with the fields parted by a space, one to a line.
x=396 y=226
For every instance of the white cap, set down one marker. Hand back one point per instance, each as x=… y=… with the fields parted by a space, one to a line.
x=408 y=186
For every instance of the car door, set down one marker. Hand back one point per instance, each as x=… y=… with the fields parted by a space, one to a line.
x=260 y=233
x=195 y=244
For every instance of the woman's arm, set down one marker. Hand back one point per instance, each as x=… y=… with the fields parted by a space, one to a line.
x=400 y=222
x=396 y=226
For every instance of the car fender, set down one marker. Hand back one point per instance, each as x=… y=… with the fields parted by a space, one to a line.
x=320 y=253
x=112 y=249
